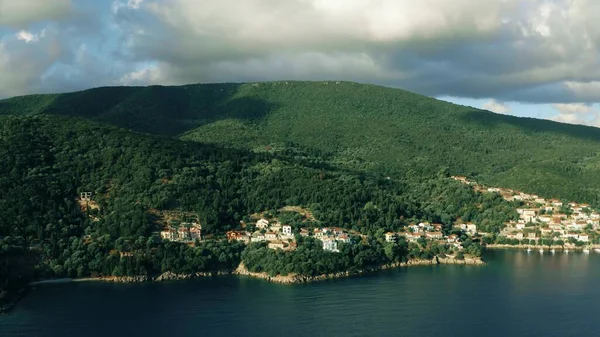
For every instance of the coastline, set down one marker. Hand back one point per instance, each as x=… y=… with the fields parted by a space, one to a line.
x=524 y=247
x=296 y=279
x=240 y=271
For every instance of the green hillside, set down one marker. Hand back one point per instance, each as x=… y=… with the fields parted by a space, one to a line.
x=46 y=161
x=364 y=127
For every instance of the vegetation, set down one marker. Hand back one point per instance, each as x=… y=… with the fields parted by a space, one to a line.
x=364 y=127
x=48 y=160
x=361 y=157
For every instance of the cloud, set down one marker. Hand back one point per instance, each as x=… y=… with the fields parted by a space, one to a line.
x=496 y=107
x=21 y=13
x=536 y=51
x=577 y=113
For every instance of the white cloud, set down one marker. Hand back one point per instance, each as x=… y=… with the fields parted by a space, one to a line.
x=577 y=113
x=496 y=107
x=26 y=36
x=20 y=13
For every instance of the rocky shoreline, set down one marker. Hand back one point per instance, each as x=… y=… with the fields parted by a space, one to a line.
x=524 y=247
x=295 y=278
x=241 y=270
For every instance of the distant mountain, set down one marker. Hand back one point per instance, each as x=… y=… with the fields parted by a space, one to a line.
x=360 y=126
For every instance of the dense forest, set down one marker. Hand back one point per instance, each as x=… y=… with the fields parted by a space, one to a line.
x=46 y=161
x=363 y=127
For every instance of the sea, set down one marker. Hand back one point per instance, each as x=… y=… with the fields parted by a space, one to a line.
x=515 y=294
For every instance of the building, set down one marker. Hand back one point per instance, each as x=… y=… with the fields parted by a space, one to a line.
x=262 y=224
x=286 y=230
x=304 y=232
x=270 y=236
x=195 y=233
x=330 y=245
x=343 y=238
x=390 y=237
x=471 y=228
x=434 y=235
x=452 y=238
x=583 y=238
x=257 y=237
x=169 y=234
x=183 y=233
x=276 y=245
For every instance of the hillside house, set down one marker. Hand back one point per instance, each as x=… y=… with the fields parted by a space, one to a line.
x=304 y=232
x=270 y=236
x=169 y=234
x=195 y=233
x=434 y=235
x=257 y=237
x=262 y=224
x=390 y=237
x=183 y=233
x=452 y=238
x=343 y=238
x=286 y=230
x=276 y=245
x=330 y=245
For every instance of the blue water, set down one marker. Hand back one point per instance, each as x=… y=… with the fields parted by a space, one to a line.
x=516 y=294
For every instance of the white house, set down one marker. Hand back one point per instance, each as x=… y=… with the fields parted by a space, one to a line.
x=262 y=224
x=583 y=238
x=471 y=228
x=276 y=245
x=390 y=237
x=330 y=245
x=286 y=230
x=271 y=236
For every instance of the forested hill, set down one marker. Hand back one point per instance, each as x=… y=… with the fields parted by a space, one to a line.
x=384 y=128
x=137 y=179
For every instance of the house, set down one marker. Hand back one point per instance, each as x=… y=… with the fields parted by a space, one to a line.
x=434 y=235
x=583 y=238
x=520 y=226
x=452 y=238
x=169 y=234
x=276 y=245
x=414 y=228
x=262 y=223
x=330 y=245
x=183 y=233
x=343 y=238
x=195 y=233
x=270 y=236
x=337 y=231
x=390 y=237
x=493 y=190
x=460 y=178
x=286 y=230
x=471 y=228
x=532 y=236
x=426 y=226
x=527 y=214
x=413 y=237
x=519 y=236
x=319 y=234
x=540 y=200
x=437 y=227
x=257 y=237
x=304 y=232
x=545 y=218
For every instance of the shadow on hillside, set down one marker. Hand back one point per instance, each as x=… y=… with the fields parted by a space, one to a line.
x=531 y=125
x=168 y=111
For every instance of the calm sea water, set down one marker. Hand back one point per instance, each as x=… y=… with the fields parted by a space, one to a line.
x=516 y=294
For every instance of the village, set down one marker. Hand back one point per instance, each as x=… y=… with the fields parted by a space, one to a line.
x=543 y=221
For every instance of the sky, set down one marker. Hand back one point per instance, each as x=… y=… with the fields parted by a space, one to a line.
x=532 y=58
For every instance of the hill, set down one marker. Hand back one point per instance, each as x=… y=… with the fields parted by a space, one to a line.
x=363 y=127
x=136 y=178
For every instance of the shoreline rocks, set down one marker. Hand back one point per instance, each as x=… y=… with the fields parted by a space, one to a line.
x=295 y=278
